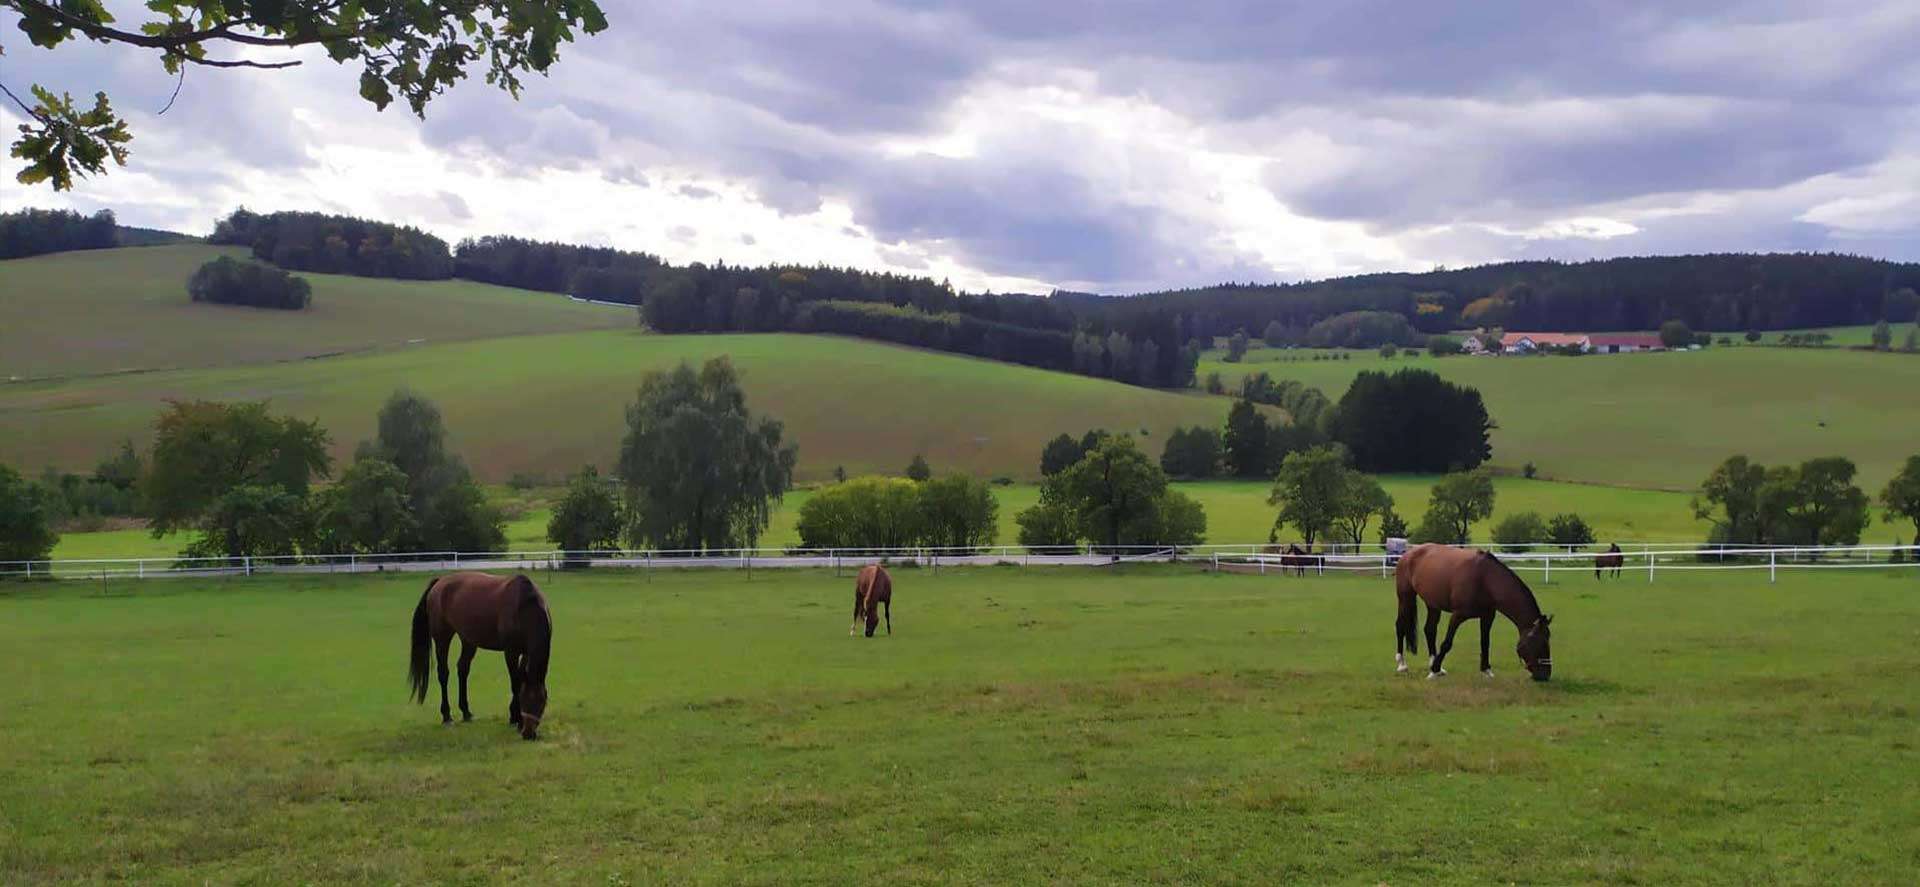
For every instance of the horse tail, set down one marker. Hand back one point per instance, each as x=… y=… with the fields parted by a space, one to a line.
x=421 y=646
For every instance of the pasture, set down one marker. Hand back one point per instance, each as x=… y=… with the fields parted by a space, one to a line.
x=549 y=404
x=1143 y=725
x=121 y=310
x=1661 y=420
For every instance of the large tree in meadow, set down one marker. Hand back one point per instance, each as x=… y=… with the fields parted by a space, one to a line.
x=1901 y=497
x=1412 y=420
x=700 y=471
x=1455 y=503
x=449 y=510
x=1116 y=495
x=1309 y=490
x=1730 y=499
x=410 y=49
x=235 y=472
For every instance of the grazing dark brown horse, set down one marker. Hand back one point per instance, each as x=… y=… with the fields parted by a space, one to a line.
x=1470 y=585
x=505 y=613
x=1297 y=559
x=1612 y=560
x=872 y=589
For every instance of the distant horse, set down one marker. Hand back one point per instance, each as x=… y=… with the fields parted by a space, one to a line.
x=872 y=589
x=1298 y=560
x=1470 y=585
x=1612 y=560
x=488 y=613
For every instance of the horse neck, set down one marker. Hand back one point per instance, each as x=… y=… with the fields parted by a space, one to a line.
x=1515 y=601
x=539 y=632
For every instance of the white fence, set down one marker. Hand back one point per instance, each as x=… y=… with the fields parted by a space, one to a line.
x=1641 y=559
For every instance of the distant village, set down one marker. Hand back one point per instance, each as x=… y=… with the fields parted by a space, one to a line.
x=1585 y=343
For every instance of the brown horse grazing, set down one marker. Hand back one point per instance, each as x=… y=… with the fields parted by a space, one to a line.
x=488 y=613
x=872 y=589
x=1298 y=560
x=1612 y=560
x=1470 y=585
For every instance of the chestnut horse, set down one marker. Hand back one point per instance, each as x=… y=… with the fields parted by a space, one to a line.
x=1470 y=585
x=872 y=589
x=1612 y=560
x=488 y=613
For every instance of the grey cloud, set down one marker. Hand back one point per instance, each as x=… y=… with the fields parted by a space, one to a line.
x=697 y=193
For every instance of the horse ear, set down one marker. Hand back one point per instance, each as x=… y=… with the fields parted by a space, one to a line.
x=1546 y=620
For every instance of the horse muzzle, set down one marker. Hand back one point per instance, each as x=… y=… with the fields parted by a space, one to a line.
x=1542 y=671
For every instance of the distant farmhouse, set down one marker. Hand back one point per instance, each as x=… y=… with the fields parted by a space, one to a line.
x=1589 y=343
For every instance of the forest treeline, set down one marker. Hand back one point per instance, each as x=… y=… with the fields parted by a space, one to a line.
x=1150 y=339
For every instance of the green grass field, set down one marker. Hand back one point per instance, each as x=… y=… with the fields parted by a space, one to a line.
x=548 y=404
x=103 y=311
x=1154 y=725
x=1663 y=420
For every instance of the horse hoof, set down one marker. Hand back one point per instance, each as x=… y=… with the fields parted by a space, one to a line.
x=465 y=718
x=1400 y=669
x=1436 y=674
x=1487 y=672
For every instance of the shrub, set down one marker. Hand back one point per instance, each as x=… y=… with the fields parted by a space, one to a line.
x=1518 y=532
x=523 y=481
x=227 y=281
x=26 y=533
x=1569 y=531
x=1529 y=471
x=1676 y=334
x=588 y=517
x=1441 y=346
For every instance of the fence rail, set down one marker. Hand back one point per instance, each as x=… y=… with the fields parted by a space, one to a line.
x=1647 y=558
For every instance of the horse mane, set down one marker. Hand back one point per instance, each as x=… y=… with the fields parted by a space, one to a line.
x=539 y=629
x=1525 y=589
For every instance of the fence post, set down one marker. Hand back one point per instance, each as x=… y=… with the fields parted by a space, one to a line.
x=1548 y=559
x=30 y=569
x=1649 y=549
x=142 y=563
x=249 y=564
x=456 y=559
x=1773 y=566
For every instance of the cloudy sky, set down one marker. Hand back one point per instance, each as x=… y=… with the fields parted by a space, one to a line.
x=1115 y=146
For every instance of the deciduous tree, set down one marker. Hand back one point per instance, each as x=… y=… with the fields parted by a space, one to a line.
x=700 y=471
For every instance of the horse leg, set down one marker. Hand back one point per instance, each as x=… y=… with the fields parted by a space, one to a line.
x=1453 y=627
x=1404 y=637
x=466 y=666
x=513 y=680
x=440 y=656
x=1486 y=638
x=888 y=605
x=1433 y=646
x=854 y=629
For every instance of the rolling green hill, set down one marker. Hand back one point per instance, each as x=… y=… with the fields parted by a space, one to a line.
x=104 y=311
x=547 y=404
x=1662 y=420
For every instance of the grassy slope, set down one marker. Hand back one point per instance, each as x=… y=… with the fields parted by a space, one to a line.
x=1130 y=726
x=548 y=404
x=108 y=310
x=1664 y=420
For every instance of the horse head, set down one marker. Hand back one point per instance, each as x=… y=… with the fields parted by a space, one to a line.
x=533 y=705
x=1535 y=649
